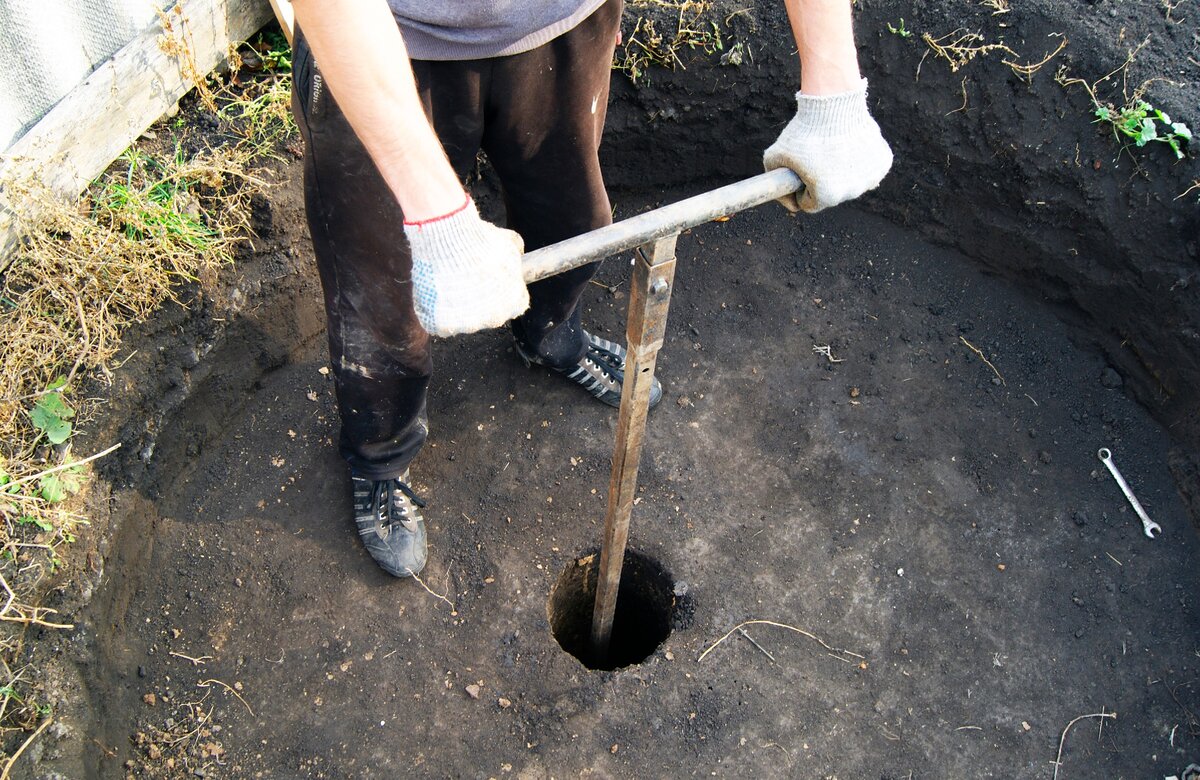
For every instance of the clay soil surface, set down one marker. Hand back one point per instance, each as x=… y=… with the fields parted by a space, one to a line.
x=885 y=448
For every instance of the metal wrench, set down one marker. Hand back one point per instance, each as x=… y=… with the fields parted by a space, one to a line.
x=1149 y=526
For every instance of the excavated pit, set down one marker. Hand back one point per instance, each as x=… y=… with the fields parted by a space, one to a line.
x=641 y=623
x=832 y=454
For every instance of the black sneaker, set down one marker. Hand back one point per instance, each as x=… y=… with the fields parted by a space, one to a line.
x=601 y=370
x=390 y=524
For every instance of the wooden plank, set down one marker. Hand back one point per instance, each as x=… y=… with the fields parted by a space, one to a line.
x=114 y=105
x=286 y=18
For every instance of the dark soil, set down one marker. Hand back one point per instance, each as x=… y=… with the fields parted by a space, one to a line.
x=969 y=577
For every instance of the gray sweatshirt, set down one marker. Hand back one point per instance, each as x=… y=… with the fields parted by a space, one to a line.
x=475 y=29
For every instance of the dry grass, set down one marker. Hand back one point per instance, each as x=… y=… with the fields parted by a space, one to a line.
x=86 y=272
x=959 y=47
x=652 y=44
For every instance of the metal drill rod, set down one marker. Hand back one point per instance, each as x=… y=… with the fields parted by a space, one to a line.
x=666 y=221
x=649 y=299
x=655 y=232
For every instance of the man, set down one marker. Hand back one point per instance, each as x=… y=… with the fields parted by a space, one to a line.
x=420 y=87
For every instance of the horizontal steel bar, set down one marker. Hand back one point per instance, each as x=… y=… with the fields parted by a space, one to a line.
x=635 y=231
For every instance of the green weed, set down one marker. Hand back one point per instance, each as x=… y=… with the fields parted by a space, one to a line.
x=51 y=414
x=899 y=29
x=1142 y=123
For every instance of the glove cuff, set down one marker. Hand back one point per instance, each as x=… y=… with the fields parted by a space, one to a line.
x=451 y=241
x=824 y=116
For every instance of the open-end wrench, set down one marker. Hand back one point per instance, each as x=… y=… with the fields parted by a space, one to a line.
x=1149 y=526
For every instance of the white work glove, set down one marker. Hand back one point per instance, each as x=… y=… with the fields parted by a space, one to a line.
x=466 y=273
x=834 y=146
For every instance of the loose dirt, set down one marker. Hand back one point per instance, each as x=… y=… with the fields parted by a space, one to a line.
x=865 y=437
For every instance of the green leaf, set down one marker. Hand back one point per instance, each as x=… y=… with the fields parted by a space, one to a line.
x=59 y=486
x=45 y=525
x=1147 y=133
x=50 y=415
x=1181 y=130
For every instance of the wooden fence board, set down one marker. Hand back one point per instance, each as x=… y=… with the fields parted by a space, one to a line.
x=114 y=105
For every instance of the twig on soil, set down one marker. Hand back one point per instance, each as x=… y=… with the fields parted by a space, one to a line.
x=105 y=749
x=781 y=747
x=434 y=593
x=1061 y=740
x=611 y=288
x=8 y=766
x=963 y=107
x=1192 y=721
x=22 y=611
x=1114 y=560
x=827 y=351
x=969 y=728
x=64 y=466
x=195 y=661
x=749 y=639
x=801 y=631
x=983 y=357
x=206 y=683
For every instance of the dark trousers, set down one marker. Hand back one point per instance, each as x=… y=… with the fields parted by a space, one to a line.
x=538 y=116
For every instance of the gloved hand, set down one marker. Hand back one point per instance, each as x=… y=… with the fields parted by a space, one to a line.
x=466 y=273
x=834 y=146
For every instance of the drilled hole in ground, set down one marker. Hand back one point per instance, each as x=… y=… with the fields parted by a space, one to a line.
x=642 y=621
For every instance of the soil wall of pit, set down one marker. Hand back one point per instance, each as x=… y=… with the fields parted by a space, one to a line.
x=1011 y=170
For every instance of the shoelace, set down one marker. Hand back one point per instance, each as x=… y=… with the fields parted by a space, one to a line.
x=602 y=358
x=380 y=499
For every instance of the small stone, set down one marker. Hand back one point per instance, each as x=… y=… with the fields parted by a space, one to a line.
x=504 y=703
x=1080 y=518
x=1001 y=566
x=614 y=748
x=899 y=436
x=1025 y=725
x=150 y=699
x=1043 y=457
x=473 y=691
x=1079 y=632
x=1111 y=379
x=237 y=581
x=141 y=671
x=855 y=392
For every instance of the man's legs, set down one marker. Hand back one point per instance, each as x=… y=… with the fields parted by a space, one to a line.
x=545 y=116
x=378 y=349
x=540 y=116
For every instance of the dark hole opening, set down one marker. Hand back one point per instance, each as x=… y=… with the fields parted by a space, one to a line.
x=642 y=621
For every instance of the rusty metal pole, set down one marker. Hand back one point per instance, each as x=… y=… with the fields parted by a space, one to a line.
x=649 y=300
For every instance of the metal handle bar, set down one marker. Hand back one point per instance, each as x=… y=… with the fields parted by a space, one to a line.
x=668 y=220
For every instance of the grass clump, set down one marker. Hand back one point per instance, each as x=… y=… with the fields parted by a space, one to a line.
x=664 y=29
